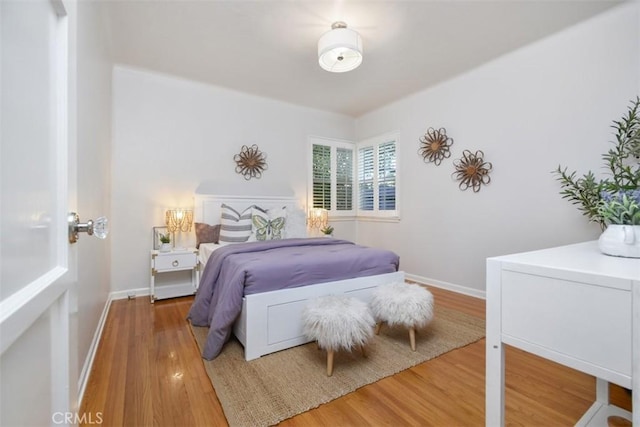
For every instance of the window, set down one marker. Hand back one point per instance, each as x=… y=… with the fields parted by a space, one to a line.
x=377 y=183
x=344 y=179
x=321 y=176
x=333 y=185
x=366 y=172
x=332 y=175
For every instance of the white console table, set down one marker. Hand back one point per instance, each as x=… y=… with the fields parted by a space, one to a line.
x=572 y=305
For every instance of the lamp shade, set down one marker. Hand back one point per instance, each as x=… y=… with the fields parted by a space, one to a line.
x=179 y=220
x=340 y=49
x=318 y=218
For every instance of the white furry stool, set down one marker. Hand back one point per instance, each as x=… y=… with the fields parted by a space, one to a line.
x=338 y=323
x=402 y=304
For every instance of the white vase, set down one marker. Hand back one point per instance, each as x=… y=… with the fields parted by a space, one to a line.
x=620 y=240
x=165 y=247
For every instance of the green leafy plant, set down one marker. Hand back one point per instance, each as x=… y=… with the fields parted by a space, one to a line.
x=622 y=208
x=623 y=164
x=165 y=238
x=327 y=230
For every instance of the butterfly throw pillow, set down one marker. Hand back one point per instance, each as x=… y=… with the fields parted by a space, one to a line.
x=268 y=225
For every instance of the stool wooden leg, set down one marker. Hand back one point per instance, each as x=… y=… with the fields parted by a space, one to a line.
x=412 y=338
x=378 y=327
x=329 y=363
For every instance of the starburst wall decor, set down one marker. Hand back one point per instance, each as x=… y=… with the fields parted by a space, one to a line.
x=251 y=162
x=435 y=145
x=472 y=171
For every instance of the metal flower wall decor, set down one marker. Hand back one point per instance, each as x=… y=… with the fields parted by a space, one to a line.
x=472 y=171
x=434 y=146
x=251 y=162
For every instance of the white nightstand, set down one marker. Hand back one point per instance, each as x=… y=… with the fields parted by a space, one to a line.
x=164 y=262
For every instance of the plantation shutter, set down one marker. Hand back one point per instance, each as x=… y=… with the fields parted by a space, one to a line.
x=344 y=179
x=321 y=176
x=366 y=173
x=387 y=176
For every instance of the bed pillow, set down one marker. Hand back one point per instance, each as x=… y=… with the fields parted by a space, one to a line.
x=296 y=226
x=235 y=227
x=206 y=233
x=268 y=225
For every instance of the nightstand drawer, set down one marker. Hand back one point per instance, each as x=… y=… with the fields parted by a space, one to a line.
x=175 y=261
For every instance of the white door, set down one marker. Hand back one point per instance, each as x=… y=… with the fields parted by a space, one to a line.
x=36 y=275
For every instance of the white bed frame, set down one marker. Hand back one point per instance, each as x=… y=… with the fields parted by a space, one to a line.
x=272 y=321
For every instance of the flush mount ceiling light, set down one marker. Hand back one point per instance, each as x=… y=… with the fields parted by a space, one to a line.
x=340 y=49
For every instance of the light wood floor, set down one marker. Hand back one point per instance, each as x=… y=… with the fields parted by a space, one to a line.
x=148 y=372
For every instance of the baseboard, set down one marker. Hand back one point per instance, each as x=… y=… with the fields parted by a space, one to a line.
x=88 y=362
x=129 y=293
x=448 y=286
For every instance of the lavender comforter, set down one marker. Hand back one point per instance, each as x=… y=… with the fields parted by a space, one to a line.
x=246 y=268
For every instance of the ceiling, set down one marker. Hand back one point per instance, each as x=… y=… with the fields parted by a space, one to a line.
x=269 y=48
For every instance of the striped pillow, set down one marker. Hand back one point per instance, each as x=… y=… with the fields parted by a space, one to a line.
x=235 y=227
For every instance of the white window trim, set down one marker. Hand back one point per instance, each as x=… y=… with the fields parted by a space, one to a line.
x=376 y=214
x=334 y=144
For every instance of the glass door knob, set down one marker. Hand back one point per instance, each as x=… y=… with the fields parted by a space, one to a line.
x=98 y=228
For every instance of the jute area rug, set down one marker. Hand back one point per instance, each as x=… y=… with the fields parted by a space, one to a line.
x=280 y=385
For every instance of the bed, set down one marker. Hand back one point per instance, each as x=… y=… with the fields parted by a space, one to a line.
x=270 y=321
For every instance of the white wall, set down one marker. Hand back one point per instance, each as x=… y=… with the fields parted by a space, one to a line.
x=93 y=170
x=172 y=134
x=546 y=104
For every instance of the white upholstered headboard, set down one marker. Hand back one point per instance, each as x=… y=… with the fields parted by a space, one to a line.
x=211 y=194
x=207 y=206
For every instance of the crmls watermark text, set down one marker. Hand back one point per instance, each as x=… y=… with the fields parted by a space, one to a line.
x=76 y=418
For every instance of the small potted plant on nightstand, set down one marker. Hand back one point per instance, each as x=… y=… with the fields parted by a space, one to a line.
x=165 y=239
x=327 y=231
